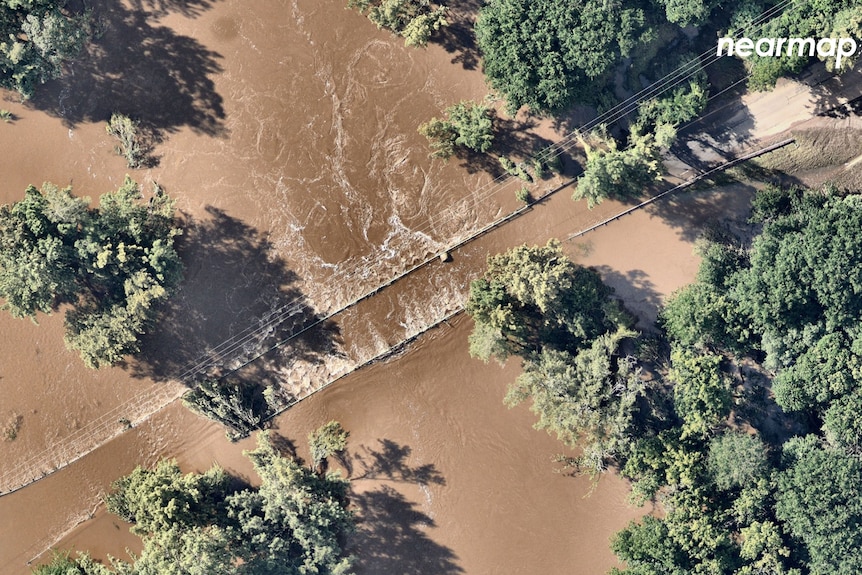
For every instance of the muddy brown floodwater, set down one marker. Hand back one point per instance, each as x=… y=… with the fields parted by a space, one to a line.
x=287 y=133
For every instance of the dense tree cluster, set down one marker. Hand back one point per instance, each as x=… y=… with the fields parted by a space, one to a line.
x=557 y=316
x=805 y=19
x=113 y=264
x=204 y=523
x=792 y=297
x=36 y=38
x=734 y=504
x=547 y=54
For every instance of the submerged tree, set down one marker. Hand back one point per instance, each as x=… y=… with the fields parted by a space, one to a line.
x=326 y=441
x=533 y=298
x=588 y=399
x=205 y=523
x=622 y=173
x=114 y=264
x=467 y=125
x=414 y=20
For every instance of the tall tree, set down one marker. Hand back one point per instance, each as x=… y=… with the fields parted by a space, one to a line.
x=114 y=264
x=588 y=400
x=204 y=524
x=547 y=54
x=533 y=298
x=818 y=500
x=467 y=125
x=36 y=38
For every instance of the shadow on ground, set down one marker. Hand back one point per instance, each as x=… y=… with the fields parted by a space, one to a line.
x=138 y=68
x=514 y=139
x=159 y=8
x=458 y=38
x=238 y=298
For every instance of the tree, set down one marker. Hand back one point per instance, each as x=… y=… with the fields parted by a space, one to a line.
x=588 y=400
x=764 y=547
x=131 y=142
x=37 y=250
x=294 y=522
x=621 y=174
x=36 y=38
x=533 y=298
x=326 y=441
x=547 y=54
x=818 y=501
x=64 y=564
x=156 y=500
x=114 y=264
x=419 y=30
x=233 y=404
x=688 y=12
x=205 y=524
x=805 y=19
x=682 y=104
x=468 y=125
x=648 y=550
x=414 y=20
x=701 y=392
x=736 y=460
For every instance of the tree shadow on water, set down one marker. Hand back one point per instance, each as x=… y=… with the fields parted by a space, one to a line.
x=159 y=8
x=637 y=292
x=458 y=37
x=237 y=299
x=136 y=67
x=392 y=537
x=389 y=461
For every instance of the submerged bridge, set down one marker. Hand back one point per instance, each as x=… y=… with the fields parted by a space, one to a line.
x=231 y=355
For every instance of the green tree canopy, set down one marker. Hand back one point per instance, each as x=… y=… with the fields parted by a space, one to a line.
x=804 y=19
x=326 y=441
x=737 y=460
x=114 y=264
x=701 y=392
x=204 y=524
x=622 y=174
x=794 y=296
x=818 y=500
x=467 y=125
x=414 y=20
x=36 y=38
x=547 y=54
x=533 y=298
x=588 y=400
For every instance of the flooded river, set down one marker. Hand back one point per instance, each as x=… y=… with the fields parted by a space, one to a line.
x=288 y=136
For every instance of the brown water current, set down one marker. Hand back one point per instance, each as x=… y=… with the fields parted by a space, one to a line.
x=287 y=133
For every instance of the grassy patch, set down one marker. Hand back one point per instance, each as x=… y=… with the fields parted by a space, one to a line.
x=814 y=149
